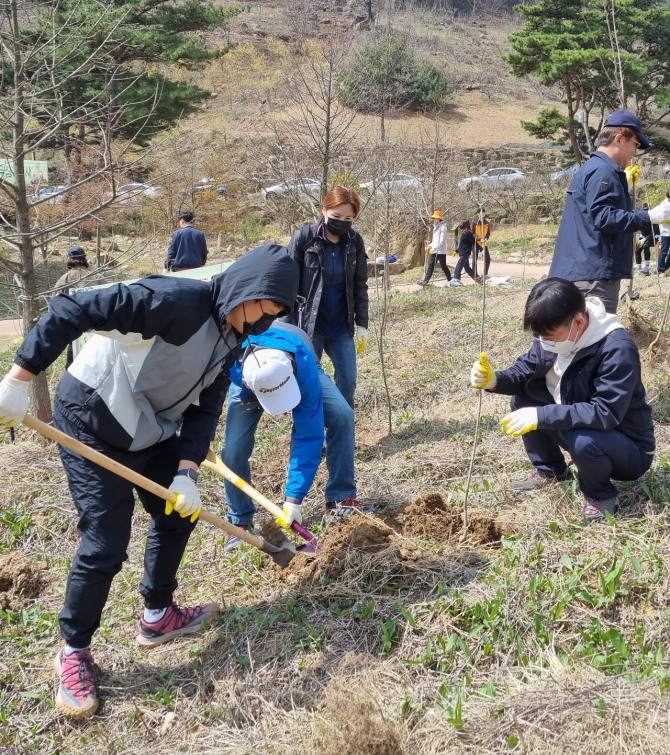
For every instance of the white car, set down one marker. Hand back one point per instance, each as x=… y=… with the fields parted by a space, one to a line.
x=566 y=174
x=493 y=178
x=128 y=192
x=392 y=182
x=52 y=194
x=296 y=186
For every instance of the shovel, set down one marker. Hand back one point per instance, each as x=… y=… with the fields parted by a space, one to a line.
x=214 y=463
x=281 y=555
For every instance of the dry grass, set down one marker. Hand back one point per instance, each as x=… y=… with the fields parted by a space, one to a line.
x=373 y=647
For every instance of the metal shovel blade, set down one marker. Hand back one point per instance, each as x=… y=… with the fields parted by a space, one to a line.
x=282 y=555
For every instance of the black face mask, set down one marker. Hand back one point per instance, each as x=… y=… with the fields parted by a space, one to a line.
x=258 y=327
x=337 y=226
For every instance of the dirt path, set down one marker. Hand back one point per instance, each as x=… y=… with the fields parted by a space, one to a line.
x=10 y=330
x=497 y=270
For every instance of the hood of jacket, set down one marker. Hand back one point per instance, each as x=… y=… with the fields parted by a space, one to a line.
x=267 y=272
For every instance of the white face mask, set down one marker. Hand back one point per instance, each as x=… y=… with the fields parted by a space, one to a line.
x=562 y=348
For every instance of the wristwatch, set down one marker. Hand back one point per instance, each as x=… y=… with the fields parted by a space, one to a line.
x=190 y=473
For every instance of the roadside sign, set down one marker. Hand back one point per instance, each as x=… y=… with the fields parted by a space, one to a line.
x=36 y=171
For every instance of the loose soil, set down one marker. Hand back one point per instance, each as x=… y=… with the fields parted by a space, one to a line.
x=20 y=581
x=364 y=538
x=428 y=517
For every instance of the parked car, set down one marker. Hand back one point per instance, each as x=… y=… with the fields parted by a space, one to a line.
x=48 y=193
x=128 y=192
x=304 y=186
x=565 y=174
x=209 y=184
x=392 y=182
x=493 y=178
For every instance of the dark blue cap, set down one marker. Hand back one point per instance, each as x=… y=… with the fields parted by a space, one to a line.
x=76 y=253
x=626 y=119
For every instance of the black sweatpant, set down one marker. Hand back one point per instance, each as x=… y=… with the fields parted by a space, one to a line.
x=487 y=259
x=105 y=504
x=464 y=264
x=430 y=266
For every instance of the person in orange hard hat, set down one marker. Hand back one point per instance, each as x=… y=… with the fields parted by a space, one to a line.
x=437 y=251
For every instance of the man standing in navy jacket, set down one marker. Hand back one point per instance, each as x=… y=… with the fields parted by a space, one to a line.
x=188 y=248
x=594 y=246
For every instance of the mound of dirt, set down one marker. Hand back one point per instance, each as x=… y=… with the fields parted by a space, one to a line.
x=430 y=518
x=344 y=545
x=20 y=581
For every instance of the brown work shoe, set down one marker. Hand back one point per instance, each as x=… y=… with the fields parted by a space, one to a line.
x=538 y=480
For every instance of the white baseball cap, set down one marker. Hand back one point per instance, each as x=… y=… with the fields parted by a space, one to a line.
x=269 y=374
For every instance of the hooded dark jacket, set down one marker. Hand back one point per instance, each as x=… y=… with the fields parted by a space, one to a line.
x=161 y=352
x=601 y=389
x=307 y=249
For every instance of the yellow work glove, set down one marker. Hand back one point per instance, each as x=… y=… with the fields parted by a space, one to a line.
x=482 y=375
x=291 y=512
x=520 y=422
x=361 y=338
x=188 y=501
x=632 y=174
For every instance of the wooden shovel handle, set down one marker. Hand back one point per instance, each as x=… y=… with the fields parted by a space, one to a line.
x=215 y=463
x=48 y=431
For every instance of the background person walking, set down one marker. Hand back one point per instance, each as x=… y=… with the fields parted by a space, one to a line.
x=482 y=231
x=437 y=251
x=466 y=246
x=188 y=247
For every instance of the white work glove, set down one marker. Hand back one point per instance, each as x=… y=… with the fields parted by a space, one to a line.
x=13 y=400
x=482 y=375
x=520 y=422
x=660 y=213
x=188 y=501
x=361 y=338
x=291 y=512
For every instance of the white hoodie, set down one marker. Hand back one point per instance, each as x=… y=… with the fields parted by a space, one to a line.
x=600 y=324
x=438 y=245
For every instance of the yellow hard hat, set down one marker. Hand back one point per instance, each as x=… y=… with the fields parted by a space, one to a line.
x=437 y=215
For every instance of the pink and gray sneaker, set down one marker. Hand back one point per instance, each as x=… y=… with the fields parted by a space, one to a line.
x=76 y=696
x=175 y=622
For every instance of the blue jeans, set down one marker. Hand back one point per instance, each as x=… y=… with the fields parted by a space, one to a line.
x=342 y=353
x=664 y=255
x=241 y=422
x=599 y=455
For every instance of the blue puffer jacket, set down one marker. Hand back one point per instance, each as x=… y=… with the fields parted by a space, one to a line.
x=601 y=389
x=308 y=427
x=595 y=237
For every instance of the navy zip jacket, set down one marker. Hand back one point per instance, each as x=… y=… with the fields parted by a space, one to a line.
x=595 y=237
x=187 y=249
x=601 y=389
x=161 y=354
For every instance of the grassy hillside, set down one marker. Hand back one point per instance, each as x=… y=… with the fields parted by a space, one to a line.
x=527 y=632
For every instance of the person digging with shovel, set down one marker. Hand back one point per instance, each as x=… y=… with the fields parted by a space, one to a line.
x=157 y=364
x=579 y=388
x=278 y=373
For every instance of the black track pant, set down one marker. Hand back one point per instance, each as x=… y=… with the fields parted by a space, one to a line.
x=430 y=266
x=105 y=504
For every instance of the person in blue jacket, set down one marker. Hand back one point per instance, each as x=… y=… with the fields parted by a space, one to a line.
x=579 y=388
x=278 y=372
x=594 y=245
x=146 y=390
x=188 y=247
